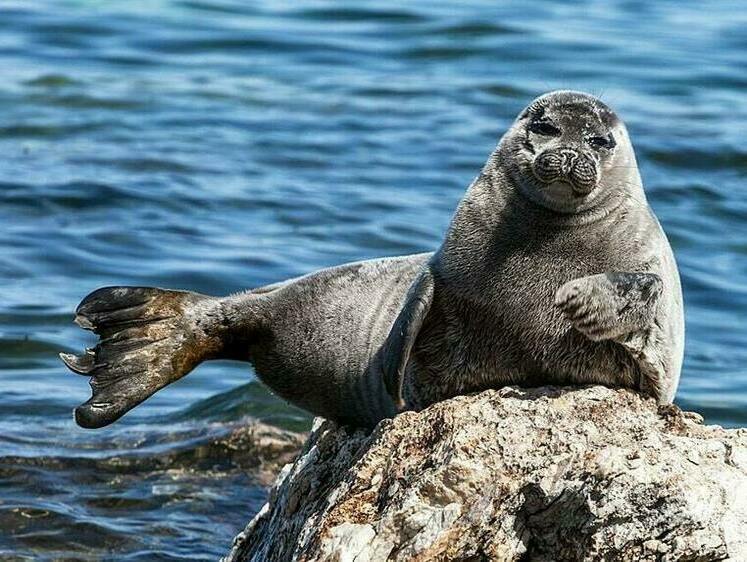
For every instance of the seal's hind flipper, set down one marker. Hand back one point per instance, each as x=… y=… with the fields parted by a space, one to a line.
x=148 y=338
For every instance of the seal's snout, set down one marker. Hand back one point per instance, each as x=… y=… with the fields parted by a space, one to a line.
x=567 y=165
x=567 y=160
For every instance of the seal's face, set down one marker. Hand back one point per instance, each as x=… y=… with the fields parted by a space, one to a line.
x=562 y=148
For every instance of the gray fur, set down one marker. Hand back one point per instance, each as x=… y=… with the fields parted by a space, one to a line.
x=516 y=242
x=553 y=271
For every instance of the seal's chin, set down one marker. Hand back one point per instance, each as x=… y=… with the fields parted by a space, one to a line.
x=562 y=189
x=563 y=193
x=559 y=195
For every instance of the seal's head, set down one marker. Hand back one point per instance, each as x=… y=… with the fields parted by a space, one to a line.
x=565 y=149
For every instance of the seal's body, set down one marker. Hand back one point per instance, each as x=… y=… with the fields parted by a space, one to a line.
x=498 y=317
x=325 y=331
x=553 y=271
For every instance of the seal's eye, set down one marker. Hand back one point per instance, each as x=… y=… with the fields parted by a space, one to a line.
x=544 y=128
x=602 y=142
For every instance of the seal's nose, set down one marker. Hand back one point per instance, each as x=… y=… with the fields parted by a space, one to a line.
x=568 y=159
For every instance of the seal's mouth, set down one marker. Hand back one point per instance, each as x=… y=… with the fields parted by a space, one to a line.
x=566 y=186
x=559 y=169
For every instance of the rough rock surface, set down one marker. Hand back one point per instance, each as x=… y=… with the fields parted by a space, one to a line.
x=543 y=474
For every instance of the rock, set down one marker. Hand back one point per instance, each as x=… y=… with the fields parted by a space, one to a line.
x=261 y=449
x=542 y=474
x=255 y=447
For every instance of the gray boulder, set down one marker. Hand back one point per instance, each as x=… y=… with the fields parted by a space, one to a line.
x=544 y=474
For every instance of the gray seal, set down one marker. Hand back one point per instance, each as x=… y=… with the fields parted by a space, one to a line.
x=554 y=270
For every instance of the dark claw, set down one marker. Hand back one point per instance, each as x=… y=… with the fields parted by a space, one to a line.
x=93 y=415
x=80 y=364
x=83 y=322
x=113 y=299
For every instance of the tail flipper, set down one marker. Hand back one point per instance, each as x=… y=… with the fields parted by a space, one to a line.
x=148 y=339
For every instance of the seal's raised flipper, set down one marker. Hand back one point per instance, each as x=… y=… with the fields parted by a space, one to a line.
x=148 y=338
x=401 y=338
x=610 y=305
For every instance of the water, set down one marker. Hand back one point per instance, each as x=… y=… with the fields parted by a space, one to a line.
x=221 y=145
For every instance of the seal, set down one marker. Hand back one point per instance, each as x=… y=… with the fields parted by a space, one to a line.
x=554 y=270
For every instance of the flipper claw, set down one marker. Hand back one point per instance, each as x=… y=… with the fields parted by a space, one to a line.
x=80 y=364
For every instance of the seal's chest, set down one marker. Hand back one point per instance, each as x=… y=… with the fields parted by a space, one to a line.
x=524 y=288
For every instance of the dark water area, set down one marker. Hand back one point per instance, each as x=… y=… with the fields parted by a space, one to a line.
x=221 y=145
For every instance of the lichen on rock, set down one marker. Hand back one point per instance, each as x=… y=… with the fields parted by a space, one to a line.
x=546 y=474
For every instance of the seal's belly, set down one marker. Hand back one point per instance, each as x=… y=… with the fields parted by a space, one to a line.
x=510 y=332
x=535 y=343
x=324 y=331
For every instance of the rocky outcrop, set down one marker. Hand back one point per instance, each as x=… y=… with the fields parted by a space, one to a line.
x=542 y=474
x=257 y=448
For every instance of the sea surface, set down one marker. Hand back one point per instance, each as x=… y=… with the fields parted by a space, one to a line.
x=221 y=145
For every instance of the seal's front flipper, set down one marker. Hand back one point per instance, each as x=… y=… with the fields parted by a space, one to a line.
x=401 y=338
x=148 y=338
x=610 y=305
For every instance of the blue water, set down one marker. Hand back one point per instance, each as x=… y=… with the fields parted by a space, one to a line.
x=221 y=145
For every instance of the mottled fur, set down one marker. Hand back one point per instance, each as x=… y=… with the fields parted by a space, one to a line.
x=553 y=271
